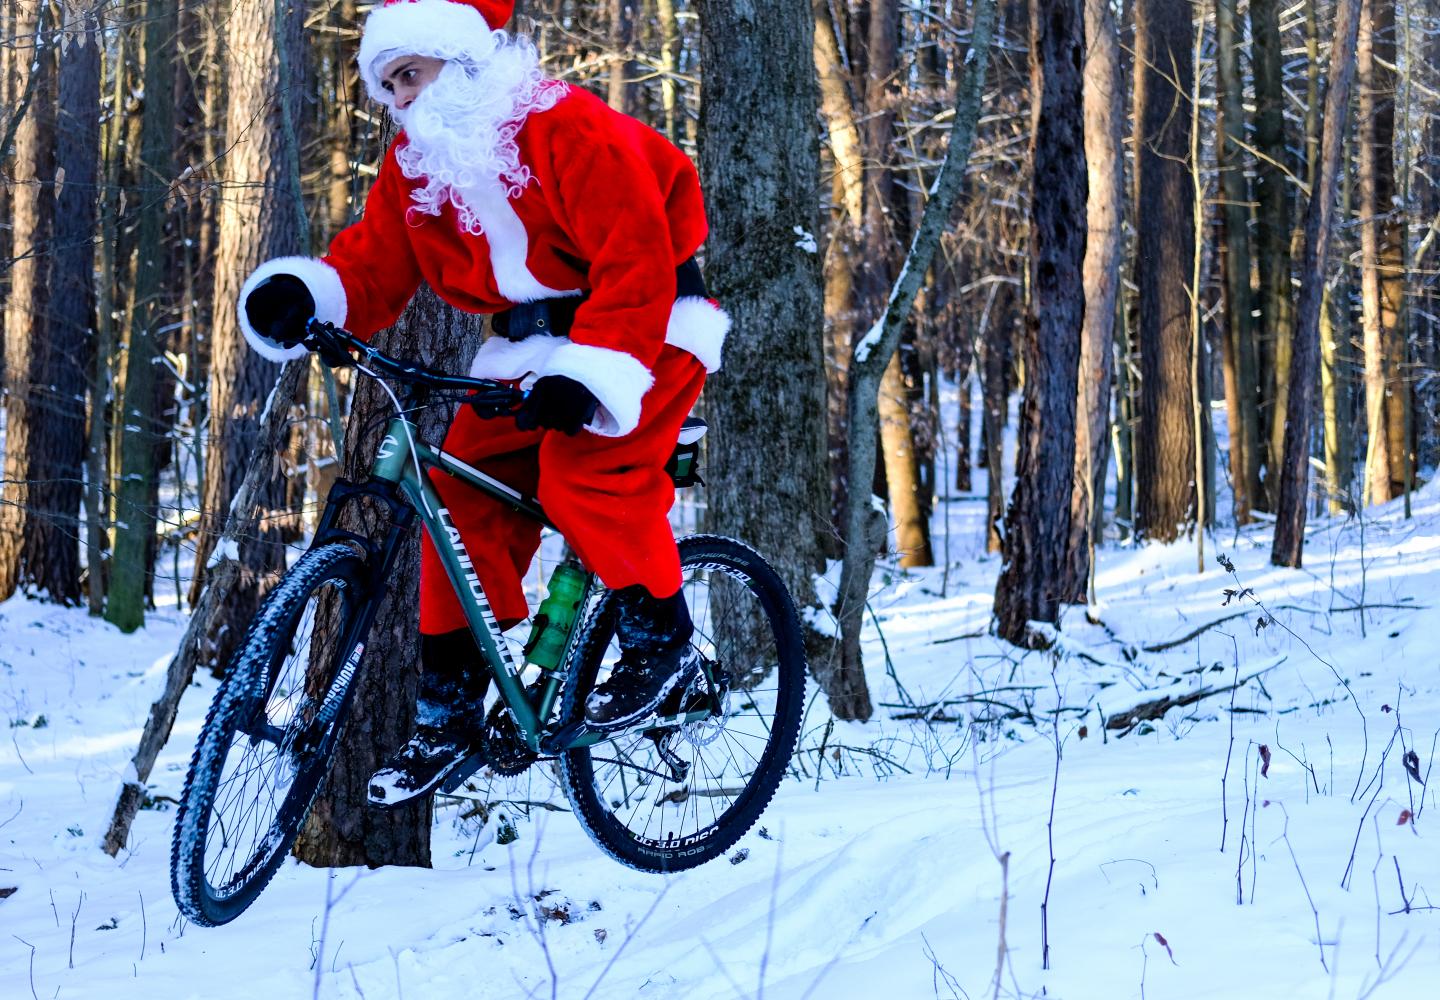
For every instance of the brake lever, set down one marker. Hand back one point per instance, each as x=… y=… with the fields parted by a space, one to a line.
x=487 y=408
x=318 y=340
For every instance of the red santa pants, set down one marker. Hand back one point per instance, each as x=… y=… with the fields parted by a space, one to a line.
x=610 y=498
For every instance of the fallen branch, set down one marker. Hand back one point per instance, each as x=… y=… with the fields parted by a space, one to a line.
x=224 y=574
x=1161 y=647
x=1155 y=709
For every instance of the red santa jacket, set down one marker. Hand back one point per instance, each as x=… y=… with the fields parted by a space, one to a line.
x=612 y=209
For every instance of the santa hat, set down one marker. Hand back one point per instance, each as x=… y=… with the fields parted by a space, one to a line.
x=441 y=29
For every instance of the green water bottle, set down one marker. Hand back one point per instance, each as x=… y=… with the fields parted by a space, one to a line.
x=551 y=628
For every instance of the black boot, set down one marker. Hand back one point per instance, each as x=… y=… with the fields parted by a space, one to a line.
x=655 y=656
x=449 y=721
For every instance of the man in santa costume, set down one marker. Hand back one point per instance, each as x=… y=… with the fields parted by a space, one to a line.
x=520 y=196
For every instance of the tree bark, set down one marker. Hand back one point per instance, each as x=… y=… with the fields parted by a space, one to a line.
x=1381 y=251
x=1103 y=97
x=1337 y=365
x=620 y=89
x=137 y=426
x=1037 y=528
x=886 y=212
x=1165 y=248
x=996 y=329
x=44 y=386
x=260 y=218
x=873 y=352
x=1242 y=389
x=342 y=829
x=1274 y=222
x=838 y=106
x=1288 y=547
x=759 y=164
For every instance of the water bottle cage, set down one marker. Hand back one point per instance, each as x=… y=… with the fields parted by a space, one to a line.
x=684 y=466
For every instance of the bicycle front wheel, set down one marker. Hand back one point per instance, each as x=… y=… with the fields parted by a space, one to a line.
x=665 y=800
x=267 y=740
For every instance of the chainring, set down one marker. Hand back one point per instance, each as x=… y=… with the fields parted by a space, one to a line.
x=505 y=751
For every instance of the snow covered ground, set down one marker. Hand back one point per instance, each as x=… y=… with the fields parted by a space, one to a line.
x=877 y=872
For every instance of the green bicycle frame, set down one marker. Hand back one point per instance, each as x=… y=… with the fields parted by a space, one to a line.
x=403 y=460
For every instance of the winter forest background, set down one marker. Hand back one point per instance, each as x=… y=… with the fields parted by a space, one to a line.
x=1083 y=388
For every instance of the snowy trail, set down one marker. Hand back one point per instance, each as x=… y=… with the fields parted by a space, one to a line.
x=863 y=886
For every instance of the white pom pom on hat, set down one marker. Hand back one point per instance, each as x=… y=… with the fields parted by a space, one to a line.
x=441 y=29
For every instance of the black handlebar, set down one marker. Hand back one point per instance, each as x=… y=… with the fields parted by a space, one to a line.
x=334 y=345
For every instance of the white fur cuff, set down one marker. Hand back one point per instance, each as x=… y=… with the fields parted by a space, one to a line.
x=699 y=326
x=323 y=283
x=618 y=380
x=513 y=360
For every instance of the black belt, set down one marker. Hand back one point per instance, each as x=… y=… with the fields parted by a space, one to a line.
x=555 y=316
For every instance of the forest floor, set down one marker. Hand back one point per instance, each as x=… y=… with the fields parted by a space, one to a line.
x=1261 y=842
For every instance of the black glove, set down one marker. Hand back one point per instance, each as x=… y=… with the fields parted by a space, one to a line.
x=279 y=309
x=557 y=403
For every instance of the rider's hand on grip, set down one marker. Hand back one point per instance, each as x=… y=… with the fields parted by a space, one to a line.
x=557 y=403
x=279 y=308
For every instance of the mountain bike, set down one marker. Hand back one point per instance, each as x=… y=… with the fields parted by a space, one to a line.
x=668 y=793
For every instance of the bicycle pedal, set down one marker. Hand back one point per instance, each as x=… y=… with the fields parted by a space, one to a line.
x=463 y=770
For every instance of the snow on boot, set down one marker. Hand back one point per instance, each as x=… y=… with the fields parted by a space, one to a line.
x=449 y=721
x=421 y=765
x=655 y=656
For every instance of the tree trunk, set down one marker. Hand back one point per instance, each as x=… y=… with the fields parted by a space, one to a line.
x=842 y=248
x=8 y=14
x=1165 y=249
x=1242 y=388
x=620 y=89
x=1104 y=110
x=1274 y=222
x=872 y=354
x=1381 y=252
x=44 y=383
x=342 y=829
x=1126 y=410
x=260 y=218
x=995 y=339
x=73 y=284
x=759 y=163
x=1288 y=548
x=134 y=516
x=1037 y=528
x=883 y=229
x=671 y=47
x=1337 y=365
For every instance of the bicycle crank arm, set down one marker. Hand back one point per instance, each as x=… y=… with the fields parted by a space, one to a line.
x=463 y=770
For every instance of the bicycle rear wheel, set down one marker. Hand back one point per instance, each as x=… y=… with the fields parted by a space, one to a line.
x=669 y=800
x=267 y=740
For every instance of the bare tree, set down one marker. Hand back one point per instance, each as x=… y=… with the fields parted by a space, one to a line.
x=1037 y=528
x=1103 y=97
x=1165 y=250
x=260 y=217
x=138 y=426
x=759 y=161
x=44 y=385
x=1274 y=221
x=1289 y=544
x=342 y=828
x=1242 y=387
x=872 y=355
x=1382 y=285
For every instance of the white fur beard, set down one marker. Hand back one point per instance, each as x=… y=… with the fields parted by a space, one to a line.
x=462 y=129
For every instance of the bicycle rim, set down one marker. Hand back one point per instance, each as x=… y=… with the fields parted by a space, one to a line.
x=635 y=802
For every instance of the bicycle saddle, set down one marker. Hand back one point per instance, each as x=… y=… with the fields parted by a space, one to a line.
x=692 y=430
